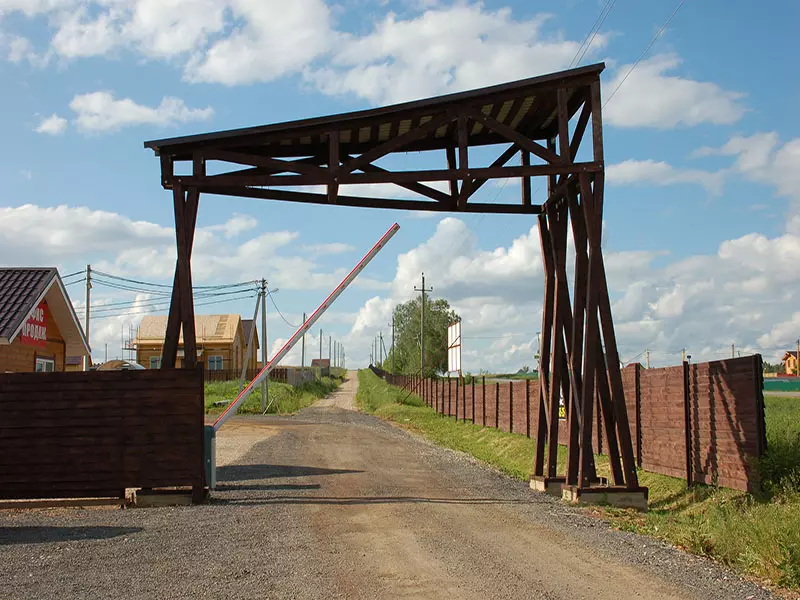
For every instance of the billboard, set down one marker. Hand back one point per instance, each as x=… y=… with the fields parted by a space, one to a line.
x=454 y=347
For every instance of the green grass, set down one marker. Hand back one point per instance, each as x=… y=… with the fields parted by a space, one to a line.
x=758 y=535
x=286 y=398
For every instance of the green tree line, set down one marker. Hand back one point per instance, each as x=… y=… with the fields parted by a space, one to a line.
x=408 y=326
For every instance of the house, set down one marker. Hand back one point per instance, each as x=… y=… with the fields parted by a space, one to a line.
x=789 y=361
x=221 y=343
x=324 y=365
x=39 y=329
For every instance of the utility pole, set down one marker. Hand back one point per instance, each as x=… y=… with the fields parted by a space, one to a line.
x=320 y=346
x=733 y=353
x=329 y=349
x=422 y=290
x=381 y=356
x=303 y=353
x=87 y=360
x=797 y=362
x=106 y=360
x=683 y=355
x=392 y=343
x=265 y=383
x=647 y=357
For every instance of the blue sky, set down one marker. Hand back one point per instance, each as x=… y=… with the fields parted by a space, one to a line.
x=702 y=153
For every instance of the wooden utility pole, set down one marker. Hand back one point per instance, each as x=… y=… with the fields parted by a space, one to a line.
x=422 y=291
x=265 y=383
x=87 y=360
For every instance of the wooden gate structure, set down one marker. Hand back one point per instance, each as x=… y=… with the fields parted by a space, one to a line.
x=542 y=122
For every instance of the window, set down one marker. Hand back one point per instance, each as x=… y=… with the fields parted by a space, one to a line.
x=215 y=363
x=155 y=362
x=45 y=365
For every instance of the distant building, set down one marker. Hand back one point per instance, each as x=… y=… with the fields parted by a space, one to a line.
x=789 y=361
x=39 y=330
x=221 y=342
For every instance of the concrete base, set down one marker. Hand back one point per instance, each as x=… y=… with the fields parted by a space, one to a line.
x=549 y=485
x=619 y=497
x=62 y=503
x=157 y=498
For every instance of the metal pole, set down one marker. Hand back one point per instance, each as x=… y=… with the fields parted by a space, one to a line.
x=303 y=354
x=320 y=345
x=87 y=360
x=265 y=383
x=329 y=349
x=393 y=343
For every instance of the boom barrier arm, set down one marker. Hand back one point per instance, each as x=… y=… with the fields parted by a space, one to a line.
x=234 y=406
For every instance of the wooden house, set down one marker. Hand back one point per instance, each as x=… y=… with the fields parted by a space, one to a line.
x=789 y=361
x=39 y=330
x=221 y=343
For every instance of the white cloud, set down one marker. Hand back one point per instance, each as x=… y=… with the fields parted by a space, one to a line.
x=100 y=111
x=277 y=38
x=234 y=226
x=444 y=49
x=328 y=249
x=661 y=173
x=762 y=157
x=651 y=97
x=52 y=125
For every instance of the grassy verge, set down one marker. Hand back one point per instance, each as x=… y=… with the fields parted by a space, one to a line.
x=286 y=398
x=755 y=535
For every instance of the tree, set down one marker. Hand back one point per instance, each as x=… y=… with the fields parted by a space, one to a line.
x=770 y=368
x=438 y=315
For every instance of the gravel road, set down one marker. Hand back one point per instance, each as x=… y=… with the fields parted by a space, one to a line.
x=332 y=503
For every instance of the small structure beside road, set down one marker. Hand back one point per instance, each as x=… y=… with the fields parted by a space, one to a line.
x=39 y=330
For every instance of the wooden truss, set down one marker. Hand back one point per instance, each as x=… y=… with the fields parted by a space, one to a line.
x=541 y=123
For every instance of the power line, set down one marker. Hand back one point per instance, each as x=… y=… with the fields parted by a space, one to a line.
x=73 y=282
x=646 y=50
x=280 y=313
x=138 y=303
x=598 y=23
x=72 y=274
x=156 y=309
x=168 y=286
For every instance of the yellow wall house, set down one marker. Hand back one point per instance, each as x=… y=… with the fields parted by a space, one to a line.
x=790 y=363
x=39 y=330
x=221 y=342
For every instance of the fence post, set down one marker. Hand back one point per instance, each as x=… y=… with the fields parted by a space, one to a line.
x=638 y=409
x=473 y=400
x=483 y=400
x=528 y=407
x=464 y=400
x=688 y=423
x=497 y=405
x=457 y=382
x=511 y=407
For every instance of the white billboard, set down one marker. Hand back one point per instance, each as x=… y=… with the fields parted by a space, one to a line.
x=454 y=347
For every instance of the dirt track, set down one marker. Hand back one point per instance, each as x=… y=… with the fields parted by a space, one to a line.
x=332 y=503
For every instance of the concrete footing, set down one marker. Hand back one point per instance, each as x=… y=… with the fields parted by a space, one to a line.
x=549 y=485
x=620 y=497
x=157 y=498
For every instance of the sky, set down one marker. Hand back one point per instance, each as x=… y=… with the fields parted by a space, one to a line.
x=702 y=150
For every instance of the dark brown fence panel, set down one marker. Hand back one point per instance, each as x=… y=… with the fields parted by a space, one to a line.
x=663 y=421
x=725 y=408
x=66 y=435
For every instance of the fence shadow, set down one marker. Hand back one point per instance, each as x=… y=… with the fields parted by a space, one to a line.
x=36 y=534
x=256 y=472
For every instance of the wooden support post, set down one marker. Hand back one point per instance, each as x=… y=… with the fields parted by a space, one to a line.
x=544 y=351
x=171 y=339
x=463 y=162
x=526 y=181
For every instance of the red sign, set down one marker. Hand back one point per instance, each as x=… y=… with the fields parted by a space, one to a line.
x=34 y=330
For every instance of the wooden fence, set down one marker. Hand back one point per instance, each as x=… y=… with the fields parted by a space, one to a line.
x=702 y=422
x=95 y=433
